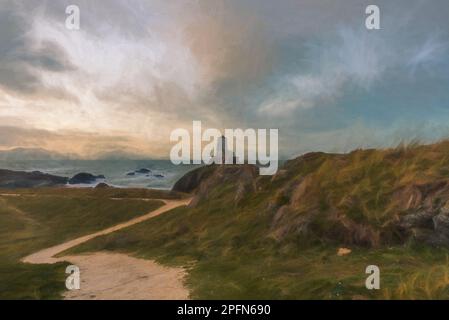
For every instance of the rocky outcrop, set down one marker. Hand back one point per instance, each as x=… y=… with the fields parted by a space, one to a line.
x=19 y=179
x=205 y=182
x=143 y=171
x=191 y=181
x=139 y=172
x=85 y=178
x=369 y=198
x=102 y=185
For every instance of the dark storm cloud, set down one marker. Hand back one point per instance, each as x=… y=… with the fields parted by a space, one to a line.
x=21 y=60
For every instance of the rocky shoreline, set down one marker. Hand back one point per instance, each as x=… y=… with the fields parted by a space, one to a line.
x=22 y=179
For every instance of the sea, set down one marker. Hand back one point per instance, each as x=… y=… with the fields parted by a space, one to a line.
x=118 y=173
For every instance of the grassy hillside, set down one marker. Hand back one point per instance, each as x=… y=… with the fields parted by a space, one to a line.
x=248 y=236
x=40 y=218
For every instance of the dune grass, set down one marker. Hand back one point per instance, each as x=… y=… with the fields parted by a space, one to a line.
x=233 y=252
x=222 y=265
x=38 y=219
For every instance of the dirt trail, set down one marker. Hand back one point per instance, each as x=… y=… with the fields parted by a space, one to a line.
x=119 y=276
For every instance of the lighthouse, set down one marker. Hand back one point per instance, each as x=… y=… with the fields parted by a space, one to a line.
x=224 y=155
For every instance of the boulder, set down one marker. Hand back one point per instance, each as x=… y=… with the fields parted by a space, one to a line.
x=102 y=185
x=420 y=219
x=143 y=171
x=84 y=178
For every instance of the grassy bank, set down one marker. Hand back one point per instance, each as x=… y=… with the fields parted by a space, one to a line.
x=37 y=219
x=223 y=265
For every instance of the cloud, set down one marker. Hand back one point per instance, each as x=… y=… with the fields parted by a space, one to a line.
x=139 y=69
x=353 y=60
x=22 y=59
x=431 y=51
x=80 y=145
x=356 y=58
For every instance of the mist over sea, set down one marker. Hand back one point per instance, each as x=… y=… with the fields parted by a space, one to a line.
x=163 y=173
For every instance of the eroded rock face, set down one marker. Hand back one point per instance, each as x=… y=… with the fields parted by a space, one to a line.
x=416 y=211
x=422 y=219
x=191 y=181
x=201 y=182
x=428 y=225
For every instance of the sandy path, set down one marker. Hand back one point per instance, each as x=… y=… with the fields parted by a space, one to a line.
x=119 y=276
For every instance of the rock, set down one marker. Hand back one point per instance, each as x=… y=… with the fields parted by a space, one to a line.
x=140 y=171
x=84 y=178
x=243 y=189
x=143 y=171
x=102 y=186
x=192 y=180
x=160 y=176
x=343 y=252
x=19 y=179
x=440 y=236
x=419 y=219
x=441 y=223
x=429 y=226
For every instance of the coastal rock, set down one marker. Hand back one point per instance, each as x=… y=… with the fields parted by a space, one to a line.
x=102 y=185
x=192 y=180
x=143 y=171
x=19 y=179
x=85 y=178
x=420 y=219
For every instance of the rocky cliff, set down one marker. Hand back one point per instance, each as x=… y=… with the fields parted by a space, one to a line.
x=365 y=198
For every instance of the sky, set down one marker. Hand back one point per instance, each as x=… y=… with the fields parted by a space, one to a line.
x=139 y=69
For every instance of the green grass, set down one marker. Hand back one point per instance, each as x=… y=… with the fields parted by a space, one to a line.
x=42 y=218
x=224 y=264
x=254 y=250
x=280 y=240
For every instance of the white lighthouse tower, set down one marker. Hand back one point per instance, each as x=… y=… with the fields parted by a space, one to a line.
x=224 y=155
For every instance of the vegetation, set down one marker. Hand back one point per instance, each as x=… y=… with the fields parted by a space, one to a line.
x=227 y=260
x=254 y=237
x=280 y=239
x=36 y=219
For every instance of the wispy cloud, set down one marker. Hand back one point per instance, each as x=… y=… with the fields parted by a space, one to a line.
x=140 y=69
x=432 y=51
